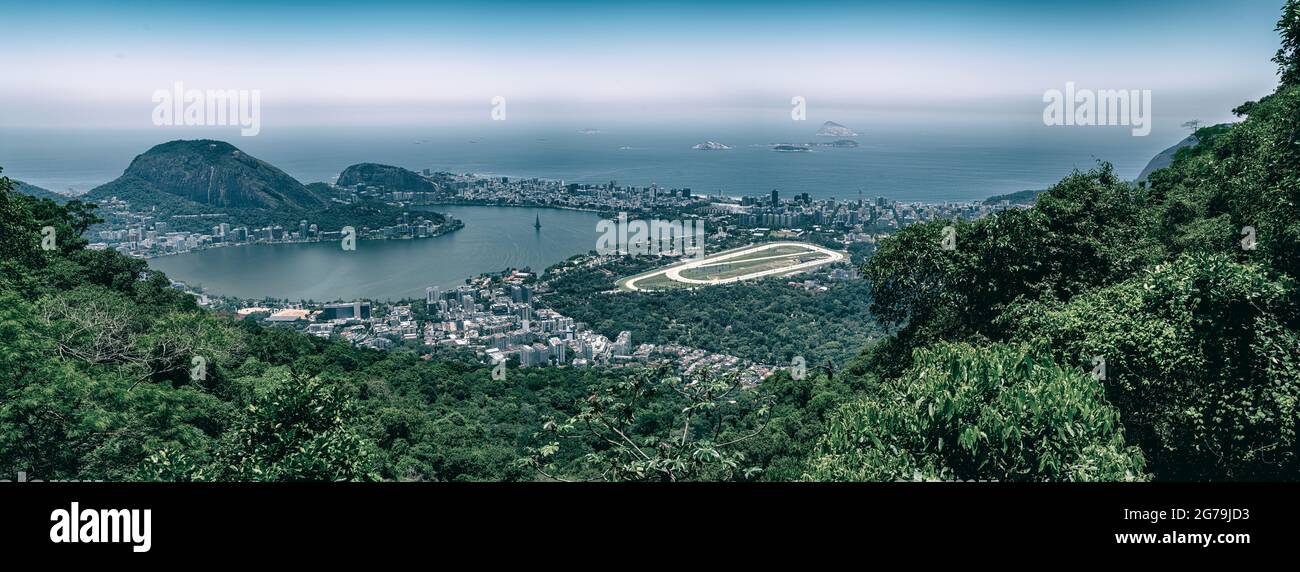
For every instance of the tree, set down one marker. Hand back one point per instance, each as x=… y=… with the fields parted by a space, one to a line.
x=1089 y=230
x=633 y=440
x=1288 y=56
x=298 y=429
x=964 y=412
x=1200 y=361
x=19 y=234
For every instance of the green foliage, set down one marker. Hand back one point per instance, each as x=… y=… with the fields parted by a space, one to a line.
x=1016 y=198
x=72 y=419
x=984 y=378
x=19 y=235
x=184 y=215
x=1247 y=175
x=766 y=321
x=800 y=412
x=1196 y=324
x=295 y=429
x=633 y=438
x=978 y=413
x=1199 y=360
x=1083 y=232
x=35 y=191
x=1288 y=56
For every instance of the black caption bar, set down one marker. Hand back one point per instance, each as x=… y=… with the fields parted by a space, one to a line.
x=319 y=521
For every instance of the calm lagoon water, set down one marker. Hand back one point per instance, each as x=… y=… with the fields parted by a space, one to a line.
x=494 y=238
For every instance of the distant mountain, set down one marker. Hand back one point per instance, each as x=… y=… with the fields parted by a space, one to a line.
x=387 y=176
x=833 y=129
x=40 y=193
x=211 y=173
x=1016 y=198
x=1166 y=157
x=194 y=185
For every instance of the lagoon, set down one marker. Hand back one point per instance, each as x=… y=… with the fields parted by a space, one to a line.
x=494 y=238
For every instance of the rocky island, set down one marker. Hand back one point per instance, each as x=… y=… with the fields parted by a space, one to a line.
x=711 y=146
x=833 y=129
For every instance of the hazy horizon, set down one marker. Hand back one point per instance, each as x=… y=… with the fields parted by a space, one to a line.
x=83 y=65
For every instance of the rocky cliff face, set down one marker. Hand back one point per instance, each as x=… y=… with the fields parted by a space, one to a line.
x=1166 y=157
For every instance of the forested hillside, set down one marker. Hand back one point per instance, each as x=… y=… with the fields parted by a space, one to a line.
x=108 y=373
x=1176 y=298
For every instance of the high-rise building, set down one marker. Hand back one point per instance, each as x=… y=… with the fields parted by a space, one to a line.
x=521 y=294
x=558 y=351
x=775 y=200
x=345 y=311
x=623 y=345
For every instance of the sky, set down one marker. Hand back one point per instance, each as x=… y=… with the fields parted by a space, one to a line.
x=91 y=64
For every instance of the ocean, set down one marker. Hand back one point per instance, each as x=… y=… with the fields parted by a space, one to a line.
x=932 y=161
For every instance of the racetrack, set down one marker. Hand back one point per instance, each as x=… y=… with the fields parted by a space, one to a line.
x=737 y=265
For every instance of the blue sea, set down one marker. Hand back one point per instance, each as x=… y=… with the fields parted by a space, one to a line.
x=930 y=161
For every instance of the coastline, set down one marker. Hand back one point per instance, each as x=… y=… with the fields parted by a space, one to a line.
x=269 y=243
x=482 y=203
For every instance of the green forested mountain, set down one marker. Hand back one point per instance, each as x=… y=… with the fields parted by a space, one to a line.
x=387 y=176
x=211 y=173
x=1016 y=198
x=39 y=192
x=180 y=179
x=1114 y=331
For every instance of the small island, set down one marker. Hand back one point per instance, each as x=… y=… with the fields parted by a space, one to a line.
x=833 y=129
x=839 y=143
x=711 y=146
x=783 y=148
